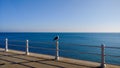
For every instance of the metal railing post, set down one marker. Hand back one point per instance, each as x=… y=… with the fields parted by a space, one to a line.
x=27 y=47
x=6 y=45
x=57 y=50
x=103 y=65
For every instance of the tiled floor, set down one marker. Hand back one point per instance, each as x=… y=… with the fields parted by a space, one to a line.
x=13 y=60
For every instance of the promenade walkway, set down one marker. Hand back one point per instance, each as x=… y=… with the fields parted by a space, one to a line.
x=16 y=59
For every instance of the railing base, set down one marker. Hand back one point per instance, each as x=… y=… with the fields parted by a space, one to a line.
x=56 y=58
x=103 y=66
x=27 y=54
x=6 y=50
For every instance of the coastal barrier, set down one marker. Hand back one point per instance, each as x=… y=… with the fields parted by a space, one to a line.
x=102 y=47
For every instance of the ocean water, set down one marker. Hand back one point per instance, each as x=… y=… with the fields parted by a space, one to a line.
x=71 y=44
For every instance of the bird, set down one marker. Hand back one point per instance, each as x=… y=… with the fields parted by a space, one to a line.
x=56 y=38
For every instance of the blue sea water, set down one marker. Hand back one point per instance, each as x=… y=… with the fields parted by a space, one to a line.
x=68 y=41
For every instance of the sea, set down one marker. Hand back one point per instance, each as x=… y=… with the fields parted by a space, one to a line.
x=80 y=46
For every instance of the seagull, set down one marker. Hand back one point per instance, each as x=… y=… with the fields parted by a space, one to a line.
x=56 y=38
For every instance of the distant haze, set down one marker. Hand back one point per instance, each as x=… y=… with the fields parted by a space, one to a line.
x=59 y=15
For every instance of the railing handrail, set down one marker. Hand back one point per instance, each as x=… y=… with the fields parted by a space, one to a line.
x=114 y=47
x=17 y=45
x=16 y=40
x=63 y=50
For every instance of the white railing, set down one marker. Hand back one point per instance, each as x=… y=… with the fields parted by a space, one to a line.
x=103 y=64
x=6 y=44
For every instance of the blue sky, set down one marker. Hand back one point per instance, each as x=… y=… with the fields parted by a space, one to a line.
x=59 y=15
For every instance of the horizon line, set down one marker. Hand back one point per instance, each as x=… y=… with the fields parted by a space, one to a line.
x=54 y=32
